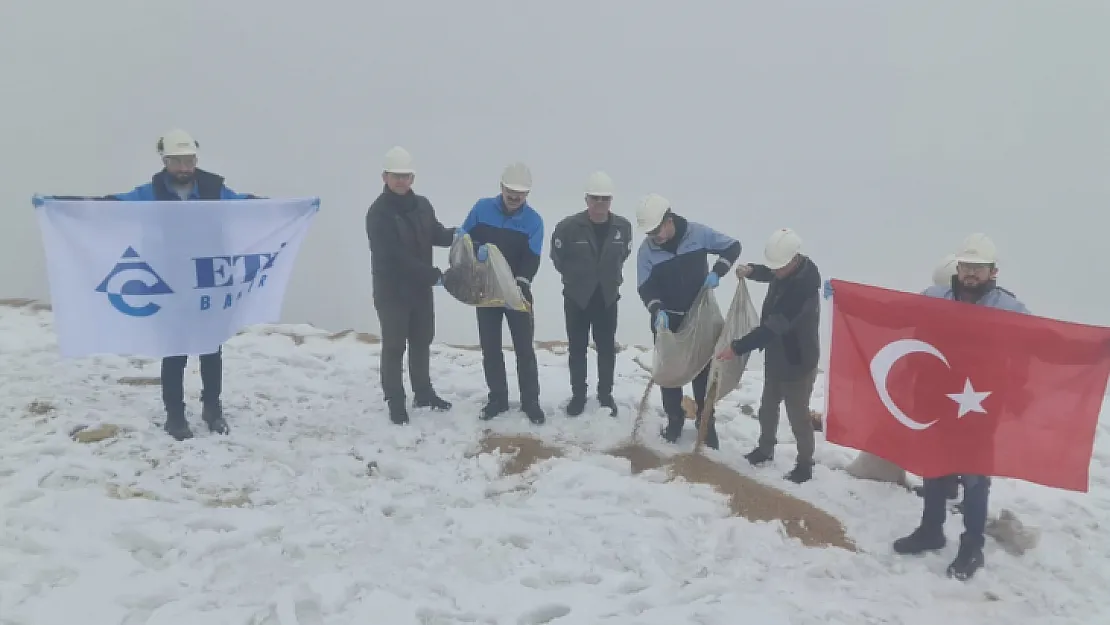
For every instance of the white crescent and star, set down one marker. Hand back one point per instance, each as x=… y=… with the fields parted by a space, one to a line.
x=969 y=400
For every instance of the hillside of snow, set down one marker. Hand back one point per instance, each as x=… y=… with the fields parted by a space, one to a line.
x=283 y=523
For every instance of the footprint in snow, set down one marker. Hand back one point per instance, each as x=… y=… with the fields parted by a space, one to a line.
x=543 y=614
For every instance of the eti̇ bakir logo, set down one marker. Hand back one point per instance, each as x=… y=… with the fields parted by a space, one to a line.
x=133 y=287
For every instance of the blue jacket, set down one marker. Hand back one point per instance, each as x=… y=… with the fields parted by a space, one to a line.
x=671 y=275
x=518 y=235
x=996 y=297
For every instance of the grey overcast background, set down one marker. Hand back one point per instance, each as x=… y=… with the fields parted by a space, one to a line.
x=883 y=132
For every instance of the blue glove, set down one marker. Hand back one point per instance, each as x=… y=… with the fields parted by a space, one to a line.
x=661 y=321
x=482 y=253
x=828 y=290
x=37 y=200
x=458 y=234
x=439 y=282
x=712 y=280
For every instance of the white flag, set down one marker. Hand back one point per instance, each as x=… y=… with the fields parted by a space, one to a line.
x=167 y=278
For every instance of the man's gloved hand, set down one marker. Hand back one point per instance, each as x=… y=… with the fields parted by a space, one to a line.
x=458 y=235
x=828 y=289
x=738 y=347
x=38 y=200
x=482 y=253
x=712 y=280
x=662 y=322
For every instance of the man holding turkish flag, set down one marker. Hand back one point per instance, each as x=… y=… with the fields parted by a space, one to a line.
x=956 y=383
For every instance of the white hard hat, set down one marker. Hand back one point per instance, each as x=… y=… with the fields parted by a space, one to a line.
x=517 y=177
x=653 y=208
x=942 y=275
x=398 y=161
x=177 y=143
x=978 y=249
x=781 y=248
x=599 y=184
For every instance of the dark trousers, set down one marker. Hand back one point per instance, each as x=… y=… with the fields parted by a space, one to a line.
x=406 y=323
x=976 y=496
x=173 y=380
x=522 y=329
x=602 y=321
x=672 y=397
x=795 y=394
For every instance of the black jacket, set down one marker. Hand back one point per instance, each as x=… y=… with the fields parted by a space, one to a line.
x=789 y=323
x=587 y=264
x=402 y=229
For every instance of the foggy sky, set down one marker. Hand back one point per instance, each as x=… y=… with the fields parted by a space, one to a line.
x=883 y=134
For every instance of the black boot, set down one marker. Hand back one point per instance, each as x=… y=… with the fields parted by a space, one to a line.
x=606 y=400
x=213 y=415
x=801 y=473
x=176 y=425
x=493 y=407
x=576 y=405
x=758 y=457
x=920 y=541
x=433 y=401
x=673 y=430
x=969 y=559
x=534 y=412
x=397 y=412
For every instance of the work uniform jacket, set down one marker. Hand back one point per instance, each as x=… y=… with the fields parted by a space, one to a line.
x=587 y=263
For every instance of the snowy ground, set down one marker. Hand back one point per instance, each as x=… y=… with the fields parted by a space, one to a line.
x=280 y=524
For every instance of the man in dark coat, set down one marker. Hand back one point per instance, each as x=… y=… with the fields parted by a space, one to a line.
x=589 y=249
x=402 y=229
x=788 y=334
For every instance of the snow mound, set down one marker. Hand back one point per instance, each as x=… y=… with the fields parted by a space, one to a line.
x=315 y=509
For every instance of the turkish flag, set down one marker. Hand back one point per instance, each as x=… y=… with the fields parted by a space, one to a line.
x=941 y=387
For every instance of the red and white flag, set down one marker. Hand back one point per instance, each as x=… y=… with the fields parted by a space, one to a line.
x=941 y=387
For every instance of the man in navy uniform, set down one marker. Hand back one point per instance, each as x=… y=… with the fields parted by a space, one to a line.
x=507 y=221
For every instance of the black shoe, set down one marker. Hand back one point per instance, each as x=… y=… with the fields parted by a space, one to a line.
x=758 y=457
x=969 y=559
x=493 y=408
x=920 y=541
x=576 y=405
x=606 y=400
x=433 y=401
x=801 y=473
x=213 y=415
x=534 y=412
x=397 y=412
x=176 y=425
x=672 y=431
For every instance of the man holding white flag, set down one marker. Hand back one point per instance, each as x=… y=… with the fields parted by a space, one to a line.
x=142 y=279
